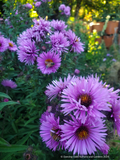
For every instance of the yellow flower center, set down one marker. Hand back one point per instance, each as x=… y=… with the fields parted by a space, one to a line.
x=10 y=44
x=49 y=63
x=54 y=134
x=85 y=100
x=82 y=132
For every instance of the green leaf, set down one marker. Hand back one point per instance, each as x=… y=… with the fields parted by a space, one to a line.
x=4 y=95
x=30 y=120
x=4 y=142
x=3 y=104
x=24 y=139
x=8 y=156
x=116 y=141
x=12 y=148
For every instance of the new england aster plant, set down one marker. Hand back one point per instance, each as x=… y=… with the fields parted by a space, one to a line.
x=45 y=43
x=76 y=123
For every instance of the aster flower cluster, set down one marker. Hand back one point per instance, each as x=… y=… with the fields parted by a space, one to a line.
x=77 y=121
x=45 y=43
x=7 y=44
x=65 y=9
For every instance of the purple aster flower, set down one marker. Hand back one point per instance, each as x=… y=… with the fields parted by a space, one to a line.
x=108 y=55
x=83 y=138
x=3 y=44
x=67 y=11
x=16 y=12
x=6 y=100
x=57 y=87
x=43 y=116
x=37 y=4
x=105 y=148
x=115 y=114
x=75 y=43
x=58 y=25
x=8 y=83
x=28 y=5
x=46 y=0
x=59 y=42
x=50 y=131
x=48 y=62
x=7 y=21
x=104 y=59
x=11 y=45
x=40 y=29
x=77 y=71
x=85 y=97
x=28 y=34
x=27 y=52
x=62 y=7
x=114 y=60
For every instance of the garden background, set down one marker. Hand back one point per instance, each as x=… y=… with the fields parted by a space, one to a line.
x=21 y=107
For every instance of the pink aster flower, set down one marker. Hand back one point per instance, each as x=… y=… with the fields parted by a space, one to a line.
x=62 y=7
x=50 y=131
x=115 y=114
x=9 y=83
x=37 y=4
x=58 y=25
x=105 y=148
x=85 y=97
x=3 y=44
x=40 y=29
x=59 y=42
x=28 y=34
x=43 y=116
x=83 y=138
x=28 y=5
x=6 y=100
x=57 y=87
x=27 y=52
x=76 y=71
x=67 y=11
x=75 y=43
x=11 y=45
x=48 y=62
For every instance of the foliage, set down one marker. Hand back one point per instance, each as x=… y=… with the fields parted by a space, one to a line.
x=19 y=117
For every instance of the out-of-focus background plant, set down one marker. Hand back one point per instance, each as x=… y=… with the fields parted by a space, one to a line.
x=22 y=106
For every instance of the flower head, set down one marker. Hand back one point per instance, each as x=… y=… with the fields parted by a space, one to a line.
x=67 y=11
x=37 y=4
x=50 y=131
x=85 y=97
x=28 y=5
x=3 y=44
x=77 y=71
x=9 y=83
x=27 y=52
x=57 y=87
x=83 y=138
x=58 y=25
x=11 y=45
x=48 y=62
x=115 y=113
x=26 y=35
x=62 y=7
x=75 y=43
x=6 y=99
x=40 y=29
x=114 y=60
x=59 y=42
